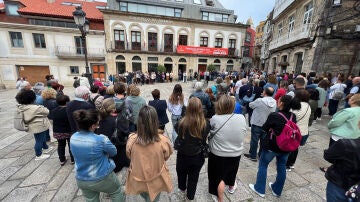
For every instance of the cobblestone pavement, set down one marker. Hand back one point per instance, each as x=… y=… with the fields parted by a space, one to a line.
x=24 y=179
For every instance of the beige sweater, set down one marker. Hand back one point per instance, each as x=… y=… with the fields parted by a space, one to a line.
x=148 y=171
x=303 y=117
x=36 y=117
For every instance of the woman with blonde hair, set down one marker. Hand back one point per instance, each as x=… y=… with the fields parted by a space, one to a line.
x=226 y=146
x=148 y=151
x=175 y=104
x=192 y=132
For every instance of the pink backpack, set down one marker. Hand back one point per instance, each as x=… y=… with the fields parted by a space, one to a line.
x=290 y=136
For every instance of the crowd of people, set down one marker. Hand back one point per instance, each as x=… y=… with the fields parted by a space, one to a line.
x=109 y=127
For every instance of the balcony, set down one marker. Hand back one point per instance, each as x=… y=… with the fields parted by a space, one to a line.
x=297 y=34
x=280 y=6
x=69 y=52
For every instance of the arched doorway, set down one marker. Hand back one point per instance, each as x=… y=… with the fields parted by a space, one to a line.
x=230 y=65
x=217 y=64
x=120 y=64
x=136 y=63
x=168 y=63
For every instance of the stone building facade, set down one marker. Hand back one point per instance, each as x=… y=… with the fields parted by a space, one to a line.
x=293 y=30
x=338 y=42
x=188 y=37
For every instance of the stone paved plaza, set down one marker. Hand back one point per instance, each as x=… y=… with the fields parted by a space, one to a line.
x=24 y=179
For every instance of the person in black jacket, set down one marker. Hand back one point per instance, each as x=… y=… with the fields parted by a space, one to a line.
x=49 y=101
x=345 y=169
x=160 y=106
x=108 y=127
x=273 y=127
x=61 y=128
x=82 y=95
x=192 y=132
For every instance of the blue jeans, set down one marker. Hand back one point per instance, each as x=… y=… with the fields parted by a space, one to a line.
x=265 y=158
x=40 y=142
x=256 y=133
x=335 y=193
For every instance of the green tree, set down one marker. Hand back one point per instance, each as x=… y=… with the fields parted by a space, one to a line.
x=211 y=68
x=161 y=68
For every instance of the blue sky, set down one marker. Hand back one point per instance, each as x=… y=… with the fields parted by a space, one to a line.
x=256 y=9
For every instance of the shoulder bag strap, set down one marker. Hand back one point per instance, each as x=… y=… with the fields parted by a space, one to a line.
x=213 y=134
x=304 y=114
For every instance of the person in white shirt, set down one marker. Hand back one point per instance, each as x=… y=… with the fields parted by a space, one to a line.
x=335 y=90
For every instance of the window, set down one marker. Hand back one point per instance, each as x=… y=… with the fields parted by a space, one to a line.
x=308 y=13
x=246 y=52
x=280 y=28
x=123 y=6
x=248 y=37
x=152 y=41
x=168 y=43
x=202 y=60
x=153 y=59
x=149 y=9
x=119 y=38
x=291 y=23
x=177 y=12
x=183 y=40
x=39 y=41
x=16 y=39
x=225 y=18
x=205 y=16
x=12 y=9
x=136 y=40
x=218 y=42
x=52 y=23
x=232 y=43
x=79 y=45
x=336 y=2
x=197 y=1
x=204 y=41
x=74 y=70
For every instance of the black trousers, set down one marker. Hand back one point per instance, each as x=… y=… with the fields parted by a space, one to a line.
x=318 y=112
x=188 y=169
x=120 y=159
x=61 y=149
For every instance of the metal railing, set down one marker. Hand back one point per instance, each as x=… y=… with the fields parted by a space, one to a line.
x=299 y=33
x=70 y=51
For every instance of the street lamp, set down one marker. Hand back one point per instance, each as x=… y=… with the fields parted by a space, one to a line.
x=84 y=26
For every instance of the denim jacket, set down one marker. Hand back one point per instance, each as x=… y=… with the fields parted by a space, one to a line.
x=91 y=153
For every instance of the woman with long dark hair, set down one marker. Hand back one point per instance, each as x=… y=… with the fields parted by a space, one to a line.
x=192 y=129
x=94 y=169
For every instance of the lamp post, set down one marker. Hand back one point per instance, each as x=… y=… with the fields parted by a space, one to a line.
x=84 y=26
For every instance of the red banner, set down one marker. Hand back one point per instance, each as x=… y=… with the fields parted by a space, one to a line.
x=201 y=50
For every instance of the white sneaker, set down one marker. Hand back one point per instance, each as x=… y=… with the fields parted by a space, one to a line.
x=48 y=150
x=292 y=167
x=272 y=191
x=319 y=119
x=253 y=189
x=232 y=189
x=42 y=157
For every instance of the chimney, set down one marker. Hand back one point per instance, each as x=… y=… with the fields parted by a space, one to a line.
x=51 y=1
